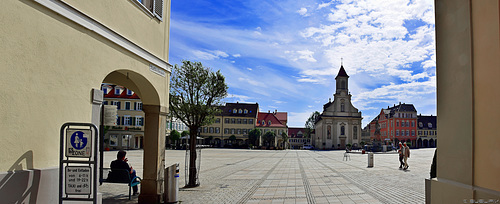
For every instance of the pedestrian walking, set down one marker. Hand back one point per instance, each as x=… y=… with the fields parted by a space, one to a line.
x=400 y=151
x=406 y=155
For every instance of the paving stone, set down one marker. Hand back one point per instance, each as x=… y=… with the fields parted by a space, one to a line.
x=290 y=176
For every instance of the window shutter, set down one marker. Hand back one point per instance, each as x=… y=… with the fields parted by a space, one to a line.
x=123 y=120
x=158 y=9
x=133 y=121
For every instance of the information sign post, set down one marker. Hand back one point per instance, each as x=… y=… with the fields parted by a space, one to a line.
x=78 y=162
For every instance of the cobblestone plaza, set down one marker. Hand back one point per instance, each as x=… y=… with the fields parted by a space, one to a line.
x=291 y=176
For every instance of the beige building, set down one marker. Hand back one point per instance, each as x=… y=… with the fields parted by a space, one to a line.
x=340 y=122
x=426 y=131
x=128 y=131
x=55 y=55
x=468 y=68
x=236 y=119
x=272 y=122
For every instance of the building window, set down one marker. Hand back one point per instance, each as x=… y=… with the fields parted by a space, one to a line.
x=402 y=123
x=226 y=130
x=407 y=124
x=127 y=105
x=226 y=120
x=413 y=133
x=269 y=122
x=138 y=106
x=407 y=133
x=245 y=111
x=211 y=130
x=397 y=132
x=397 y=123
x=250 y=121
x=342 y=130
x=413 y=123
x=419 y=132
x=232 y=131
x=355 y=132
x=232 y=120
x=238 y=131
x=129 y=92
x=154 y=7
x=126 y=120
x=217 y=130
x=217 y=120
x=113 y=140
x=139 y=121
x=235 y=111
x=342 y=107
x=244 y=121
x=239 y=121
x=420 y=124
x=240 y=111
x=429 y=125
x=117 y=91
x=263 y=122
x=244 y=131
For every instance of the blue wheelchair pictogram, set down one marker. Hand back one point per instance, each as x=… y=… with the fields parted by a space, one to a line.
x=78 y=141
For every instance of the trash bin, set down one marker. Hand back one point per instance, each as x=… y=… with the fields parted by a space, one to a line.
x=172 y=183
x=370 y=159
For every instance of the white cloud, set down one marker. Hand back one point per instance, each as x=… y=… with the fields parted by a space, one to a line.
x=302 y=11
x=209 y=55
x=236 y=55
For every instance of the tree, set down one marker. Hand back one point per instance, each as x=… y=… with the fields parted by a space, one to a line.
x=284 y=136
x=253 y=136
x=269 y=137
x=311 y=124
x=174 y=136
x=185 y=133
x=195 y=95
x=232 y=138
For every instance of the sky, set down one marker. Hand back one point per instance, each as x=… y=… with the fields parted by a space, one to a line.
x=285 y=54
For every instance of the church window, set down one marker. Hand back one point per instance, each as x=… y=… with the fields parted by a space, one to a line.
x=342 y=107
x=355 y=132
x=342 y=84
x=342 y=130
x=329 y=132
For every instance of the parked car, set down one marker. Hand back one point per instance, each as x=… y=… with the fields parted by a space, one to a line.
x=308 y=147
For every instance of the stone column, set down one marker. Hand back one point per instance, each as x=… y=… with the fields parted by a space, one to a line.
x=154 y=154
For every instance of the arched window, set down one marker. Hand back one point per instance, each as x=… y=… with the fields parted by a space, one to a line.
x=245 y=111
x=342 y=107
x=420 y=124
x=342 y=84
x=342 y=130
x=240 y=111
x=355 y=132
x=269 y=122
x=430 y=125
x=234 y=110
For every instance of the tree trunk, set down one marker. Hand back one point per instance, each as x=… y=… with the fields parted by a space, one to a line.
x=192 y=159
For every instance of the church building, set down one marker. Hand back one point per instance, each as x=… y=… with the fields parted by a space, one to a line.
x=340 y=122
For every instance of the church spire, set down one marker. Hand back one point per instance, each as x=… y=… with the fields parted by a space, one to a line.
x=342 y=79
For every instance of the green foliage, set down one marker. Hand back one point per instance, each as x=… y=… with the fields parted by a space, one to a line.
x=311 y=124
x=232 y=138
x=284 y=137
x=253 y=135
x=195 y=94
x=362 y=144
x=185 y=133
x=269 y=137
x=175 y=135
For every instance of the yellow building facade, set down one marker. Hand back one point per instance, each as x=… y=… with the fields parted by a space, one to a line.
x=55 y=55
x=468 y=68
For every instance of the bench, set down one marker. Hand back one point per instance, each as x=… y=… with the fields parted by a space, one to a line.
x=120 y=176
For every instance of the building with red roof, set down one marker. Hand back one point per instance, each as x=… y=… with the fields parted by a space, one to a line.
x=269 y=122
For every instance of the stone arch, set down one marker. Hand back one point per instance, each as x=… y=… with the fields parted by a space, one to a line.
x=431 y=143
x=155 y=108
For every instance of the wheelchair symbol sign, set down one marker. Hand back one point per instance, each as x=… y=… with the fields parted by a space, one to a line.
x=79 y=143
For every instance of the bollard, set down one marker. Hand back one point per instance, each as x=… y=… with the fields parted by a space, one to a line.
x=172 y=183
x=370 y=159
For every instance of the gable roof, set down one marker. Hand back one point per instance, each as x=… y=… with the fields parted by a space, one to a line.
x=425 y=120
x=123 y=95
x=282 y=116
x=268 y=117
x=292 y=132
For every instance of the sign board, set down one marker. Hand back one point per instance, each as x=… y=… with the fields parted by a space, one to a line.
x=79 y=143
x=157 y=70
x=110 y=114
x=78 y=180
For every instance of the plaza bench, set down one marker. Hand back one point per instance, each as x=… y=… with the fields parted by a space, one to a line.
x=120 y=176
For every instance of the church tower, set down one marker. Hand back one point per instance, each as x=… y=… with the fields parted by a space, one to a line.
x=342 y=80
x=339 y=125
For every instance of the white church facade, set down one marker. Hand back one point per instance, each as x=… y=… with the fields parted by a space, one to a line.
x=340 y=122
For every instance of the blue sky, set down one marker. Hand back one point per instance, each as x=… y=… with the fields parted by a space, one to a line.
x=285 y=54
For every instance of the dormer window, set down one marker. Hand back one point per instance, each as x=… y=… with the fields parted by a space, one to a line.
x=263 y=122
x=245 y=111
x=117 y=91
x=235 y=111
x=269 y=123
x=240 y=111
x=430 y=125
x=420 y=124
x=129 y=92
